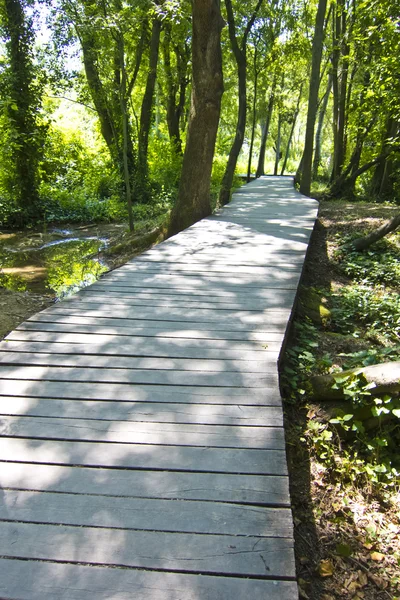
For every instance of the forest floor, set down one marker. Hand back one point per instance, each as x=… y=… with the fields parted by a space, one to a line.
x=347 y=527
x=347 y=523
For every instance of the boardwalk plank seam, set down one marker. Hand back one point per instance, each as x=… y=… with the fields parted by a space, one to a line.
x=141 y=423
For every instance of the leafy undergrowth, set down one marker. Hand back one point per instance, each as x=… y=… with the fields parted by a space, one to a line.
x=344 y=457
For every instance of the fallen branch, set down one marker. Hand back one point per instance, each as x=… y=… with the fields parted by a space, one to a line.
x=386 y=377
x=366 y=241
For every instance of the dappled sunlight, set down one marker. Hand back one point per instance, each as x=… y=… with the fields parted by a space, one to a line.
x=141 y=419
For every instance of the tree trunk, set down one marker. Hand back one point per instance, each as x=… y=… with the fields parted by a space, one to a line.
x=318 y=135
x=176 y=86
x=367 y=241
x=380 y=179
x=317 y=47
x=241 y=61
x=193 y=202
x=340 y=145
x=296 y=114
x=254 y=116
x=278 y=145
x=345 y=182
x=147 y=106
x=386 y=377
x=264 y=136
x=125 y=131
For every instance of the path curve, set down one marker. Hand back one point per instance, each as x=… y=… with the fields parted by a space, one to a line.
x=142 y=451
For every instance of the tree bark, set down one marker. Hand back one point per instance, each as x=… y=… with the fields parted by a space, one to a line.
x=176 y=86
x=386 y=377
x=317 y=47
x=254 y=115
x=367 y=241
x=380 y=180
x=147 y=106
x=193 y=202
x=241 y=62
x=296 y=114
x=346 y=182
x=278 y=145
x=318 y=135
x=264 y=135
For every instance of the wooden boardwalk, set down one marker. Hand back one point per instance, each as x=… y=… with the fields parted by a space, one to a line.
x=142 y=447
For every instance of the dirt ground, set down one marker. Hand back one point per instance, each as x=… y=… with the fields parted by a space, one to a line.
x=333 y=519
x=16 y=307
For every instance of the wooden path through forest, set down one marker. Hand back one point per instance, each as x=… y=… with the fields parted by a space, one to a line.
x=142 y=451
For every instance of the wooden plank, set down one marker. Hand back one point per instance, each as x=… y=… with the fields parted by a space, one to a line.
x=146 y=514
x=168 y=351
x=217 y=487
x=133 y=324
x=278 y=314
x=231 y=555
x=124 y=362
x=148 y=457
x=92 y=295
x=139 y=346
x=285 y=280
x=177 y=434
x=141 y=393
x=243 y=301
x=151 y=377
x=275 y=323
x=138 y=265
x=202 y=414
x=38 y=580
x=182 y=333
x=158 y=255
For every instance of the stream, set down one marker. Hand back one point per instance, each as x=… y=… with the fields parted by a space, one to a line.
x=58 y=261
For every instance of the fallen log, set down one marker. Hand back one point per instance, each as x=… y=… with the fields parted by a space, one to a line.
x=386 y=377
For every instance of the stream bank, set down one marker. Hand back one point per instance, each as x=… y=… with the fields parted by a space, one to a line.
x=38 y=268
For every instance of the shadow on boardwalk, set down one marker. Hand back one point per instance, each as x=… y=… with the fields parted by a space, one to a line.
x=142 y=421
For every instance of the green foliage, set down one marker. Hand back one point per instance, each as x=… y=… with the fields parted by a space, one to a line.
x=374 y=309
x=378 y=265
x=21 y=86
x=12 y=282
x=302 y=361
x=165 y=165
x=379 y=449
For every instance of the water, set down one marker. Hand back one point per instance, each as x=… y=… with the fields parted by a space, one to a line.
x=56 y=262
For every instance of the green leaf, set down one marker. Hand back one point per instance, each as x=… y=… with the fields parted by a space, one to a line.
x=343 y=550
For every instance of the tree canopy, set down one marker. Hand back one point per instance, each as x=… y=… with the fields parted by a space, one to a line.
x=96 y=99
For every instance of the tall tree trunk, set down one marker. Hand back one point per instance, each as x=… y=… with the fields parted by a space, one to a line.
x=278 y=145
x=345 y=182
x=125 y=131
x=318 y=135
x=317 y=46
x=193 y=202
x=147 y=106
x=380 y=179
x=340 y=146
x=176 y=87
x=296 y=114
x=254 y=115
x=241 y=62
x=335 y=84
x=264 y=134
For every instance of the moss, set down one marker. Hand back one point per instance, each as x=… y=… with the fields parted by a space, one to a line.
x=312 y=305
